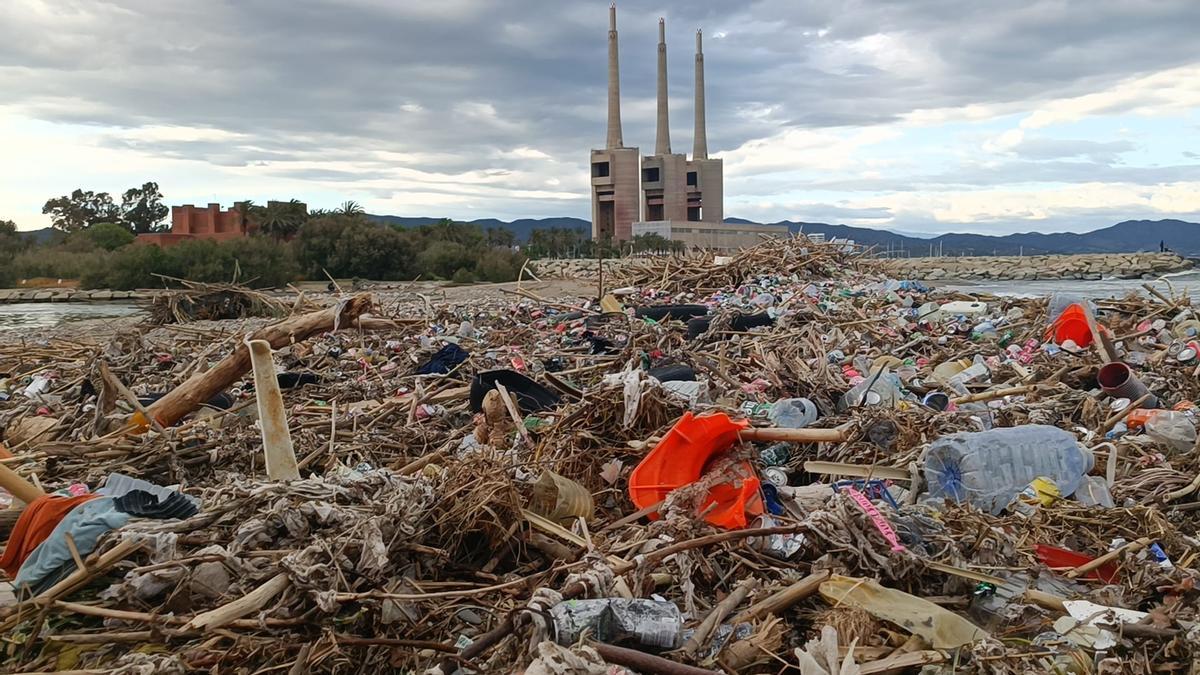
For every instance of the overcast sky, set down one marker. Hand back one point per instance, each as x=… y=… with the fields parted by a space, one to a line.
x=918 y=115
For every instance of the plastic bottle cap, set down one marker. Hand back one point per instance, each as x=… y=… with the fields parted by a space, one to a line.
x=1186 y=354
x=1118 y=404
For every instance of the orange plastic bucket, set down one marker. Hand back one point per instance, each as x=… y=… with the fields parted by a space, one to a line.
x=1072 y=324
x=679 y=459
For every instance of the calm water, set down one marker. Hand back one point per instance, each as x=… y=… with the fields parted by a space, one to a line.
x=32 y=315
x=1104 y=288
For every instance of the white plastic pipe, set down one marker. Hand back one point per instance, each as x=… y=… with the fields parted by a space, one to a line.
x=277 y=441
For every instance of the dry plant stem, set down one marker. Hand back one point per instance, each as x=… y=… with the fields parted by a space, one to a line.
x=251 y=602
x=1130 y=547
x=112 y=381
x=901 y=663
x=794 y=435
x=646 y=663
x=717 y=615
x=996 y=393
x=780 y=600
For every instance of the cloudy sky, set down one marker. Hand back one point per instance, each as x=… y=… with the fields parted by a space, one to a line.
x=917 y=115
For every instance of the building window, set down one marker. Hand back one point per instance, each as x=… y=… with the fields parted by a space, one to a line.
x=694 y=214
x=691 y=178
x=599 y=169
x=650 y=175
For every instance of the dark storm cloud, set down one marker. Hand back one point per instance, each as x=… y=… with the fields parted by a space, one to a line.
x=457 y=85
x=398 y=74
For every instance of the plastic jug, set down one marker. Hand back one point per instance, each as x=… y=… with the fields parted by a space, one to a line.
x=989 y=468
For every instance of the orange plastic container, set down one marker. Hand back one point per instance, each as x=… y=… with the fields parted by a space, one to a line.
x=1072 y=324
x=680 y=458
x=1138 y=418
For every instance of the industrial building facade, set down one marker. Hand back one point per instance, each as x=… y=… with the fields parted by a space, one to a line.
x=665 y=192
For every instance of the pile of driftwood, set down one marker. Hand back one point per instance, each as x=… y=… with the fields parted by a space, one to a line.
x=359 y=514
x=197 y=301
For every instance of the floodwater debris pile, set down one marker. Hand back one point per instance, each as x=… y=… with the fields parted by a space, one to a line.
x=870 y=476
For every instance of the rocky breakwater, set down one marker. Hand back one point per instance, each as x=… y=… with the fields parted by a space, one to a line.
x=574 y=268
x=1084 y=266
x=11 y=295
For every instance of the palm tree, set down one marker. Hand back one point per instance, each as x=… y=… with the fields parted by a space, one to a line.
x=350 y=208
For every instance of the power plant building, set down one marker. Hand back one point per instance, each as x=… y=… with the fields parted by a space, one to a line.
x=664 y=193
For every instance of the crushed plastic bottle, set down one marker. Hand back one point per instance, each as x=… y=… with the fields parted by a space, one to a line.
x=1094 y=492
x=649 y=622
x=793 y=413
x=989 y=468
x=1174 y=428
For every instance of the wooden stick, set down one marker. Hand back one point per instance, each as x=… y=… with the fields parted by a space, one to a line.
x=857 y=470
x=836 y=435
x=18 y=487
x=1131 y=547
x=251 y=602
x=514 y=414
x=782 y=599
x=995 y=394
x=1047 y=600
x=717 y=615
x=272 y=418
x=111 y=380
x=646 y=663
x=202 y=386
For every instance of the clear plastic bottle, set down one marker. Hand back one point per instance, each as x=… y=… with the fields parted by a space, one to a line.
x=989 y=468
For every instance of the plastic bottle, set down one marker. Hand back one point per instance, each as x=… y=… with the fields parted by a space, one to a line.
x=1172 y=427
x=648 y=622
x=989 y=468
x=793 y=413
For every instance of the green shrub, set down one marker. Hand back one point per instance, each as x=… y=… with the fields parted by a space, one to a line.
x=463 y=276
x=348 y=246
x=58 y=262
x=108 y=236
x=499 y=264
x=258 y=262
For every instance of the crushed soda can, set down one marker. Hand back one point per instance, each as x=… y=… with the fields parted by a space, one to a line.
x=782 y=546
x=775 y=476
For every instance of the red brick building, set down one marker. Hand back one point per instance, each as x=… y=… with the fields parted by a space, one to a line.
x=191 y=222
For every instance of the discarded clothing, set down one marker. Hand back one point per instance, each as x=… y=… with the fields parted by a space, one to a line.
x=118 y=484
x=86 y=524
x=36 y=523
x=530 y=396
x=447 y=359
x=146 y=505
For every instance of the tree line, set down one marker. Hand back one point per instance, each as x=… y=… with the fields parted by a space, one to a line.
x=93 y=241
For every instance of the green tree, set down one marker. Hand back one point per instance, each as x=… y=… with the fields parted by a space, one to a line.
x=81 y=209
x=501 y=237
x=108 y=236
x=142 y=209
x=441 y=259
x=279 y=220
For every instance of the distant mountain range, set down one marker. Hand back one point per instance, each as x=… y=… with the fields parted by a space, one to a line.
x=1131 y=235
x=1180 y=236
x=520 y=228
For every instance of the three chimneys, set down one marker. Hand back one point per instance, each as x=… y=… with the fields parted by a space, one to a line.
x=662 y=144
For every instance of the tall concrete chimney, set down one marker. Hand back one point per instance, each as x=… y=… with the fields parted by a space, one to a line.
x=614 y=83
x=662 y=144
x=700 y=149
